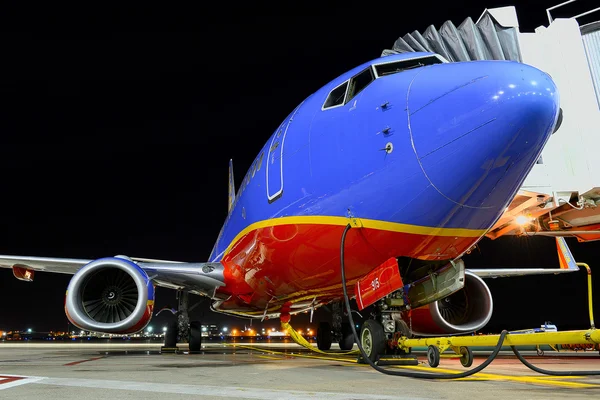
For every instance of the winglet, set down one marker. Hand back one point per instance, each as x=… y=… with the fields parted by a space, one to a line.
x=231 y=187
x=565 y=258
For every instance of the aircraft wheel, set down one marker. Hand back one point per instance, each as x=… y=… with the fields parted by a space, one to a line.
x=324 y=336
x=195 y=336
x=403 y=328
x=466 y=356
x=372 y=339
x=347 y=340
x=171 y=335
x=433 y=356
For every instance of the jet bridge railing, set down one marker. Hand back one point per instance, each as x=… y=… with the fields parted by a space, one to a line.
x=550 y=19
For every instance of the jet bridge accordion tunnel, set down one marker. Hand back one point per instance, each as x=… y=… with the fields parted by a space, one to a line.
x=485 y=39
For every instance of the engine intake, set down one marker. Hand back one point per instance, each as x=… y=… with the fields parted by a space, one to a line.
x=111 y=295
x=466 y=310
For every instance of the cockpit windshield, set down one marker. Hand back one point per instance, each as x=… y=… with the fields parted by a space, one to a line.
x=402 y=65
x=346 y=91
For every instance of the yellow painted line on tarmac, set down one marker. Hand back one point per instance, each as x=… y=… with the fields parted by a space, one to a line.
x=319 y=357
x=556 y=381
x=541 y=380
x=271 y=358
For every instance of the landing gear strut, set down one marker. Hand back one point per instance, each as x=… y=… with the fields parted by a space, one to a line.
x=187 y=331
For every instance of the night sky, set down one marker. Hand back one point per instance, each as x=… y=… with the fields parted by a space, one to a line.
x=118 y=125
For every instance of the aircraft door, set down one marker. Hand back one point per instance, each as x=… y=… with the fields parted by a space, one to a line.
x=274 y=168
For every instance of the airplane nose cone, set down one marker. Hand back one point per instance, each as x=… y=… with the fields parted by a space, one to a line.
x=477 y=128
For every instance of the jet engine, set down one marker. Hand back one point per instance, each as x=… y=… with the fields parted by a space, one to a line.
x=111 y=295
x=467 y=310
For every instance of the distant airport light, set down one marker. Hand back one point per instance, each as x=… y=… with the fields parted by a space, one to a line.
x=3 y=333
x=224 y=329
x=149 y=329
x=164 y=328
x=29 y=330
x=203 y=329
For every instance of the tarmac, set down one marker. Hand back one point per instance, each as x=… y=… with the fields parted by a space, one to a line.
x=57 y=370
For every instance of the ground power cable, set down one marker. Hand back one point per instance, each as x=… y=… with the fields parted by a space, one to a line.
x=548 y=372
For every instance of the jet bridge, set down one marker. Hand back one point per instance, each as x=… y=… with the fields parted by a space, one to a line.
x=561 y=194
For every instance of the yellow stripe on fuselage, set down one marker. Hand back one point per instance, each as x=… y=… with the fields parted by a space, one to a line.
x=364 y=223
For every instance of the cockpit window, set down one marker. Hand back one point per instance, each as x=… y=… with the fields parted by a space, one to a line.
x=345 y=92
x=402 y=65
x=359 y=82
x=336 y=97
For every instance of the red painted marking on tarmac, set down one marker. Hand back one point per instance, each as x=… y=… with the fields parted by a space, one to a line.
x=8 y=379
x=82 y=361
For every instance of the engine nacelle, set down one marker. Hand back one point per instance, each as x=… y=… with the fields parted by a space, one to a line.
x=466 y=310
x=111 y=295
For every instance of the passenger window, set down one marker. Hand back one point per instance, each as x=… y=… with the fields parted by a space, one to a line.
x=359 y=82
x=336 y=97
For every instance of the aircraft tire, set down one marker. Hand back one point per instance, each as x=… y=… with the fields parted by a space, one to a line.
x=195 y=342
x=171 y=335
x=347 y=340
x=324 y=336
x=372 y=339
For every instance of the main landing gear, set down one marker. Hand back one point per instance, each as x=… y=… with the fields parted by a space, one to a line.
x=339 y=332
x=182 y=330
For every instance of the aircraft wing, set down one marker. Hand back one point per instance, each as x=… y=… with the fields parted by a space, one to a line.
x=508 y=272
x=565 y=258
x=198 y=278
x=45 y=264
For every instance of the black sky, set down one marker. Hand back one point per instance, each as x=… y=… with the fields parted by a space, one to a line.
x=117 y=127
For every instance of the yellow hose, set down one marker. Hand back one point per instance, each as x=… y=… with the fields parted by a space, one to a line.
x=299 y=339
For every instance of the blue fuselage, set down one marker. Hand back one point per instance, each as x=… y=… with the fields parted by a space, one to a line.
x=438 y=146
x=435 y=151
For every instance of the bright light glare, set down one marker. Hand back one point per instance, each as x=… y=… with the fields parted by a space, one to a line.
x=521 y=220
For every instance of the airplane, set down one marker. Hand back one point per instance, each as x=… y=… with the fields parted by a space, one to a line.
x=412 y=158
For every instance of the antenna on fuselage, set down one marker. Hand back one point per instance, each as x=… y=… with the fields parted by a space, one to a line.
x=231 y=187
